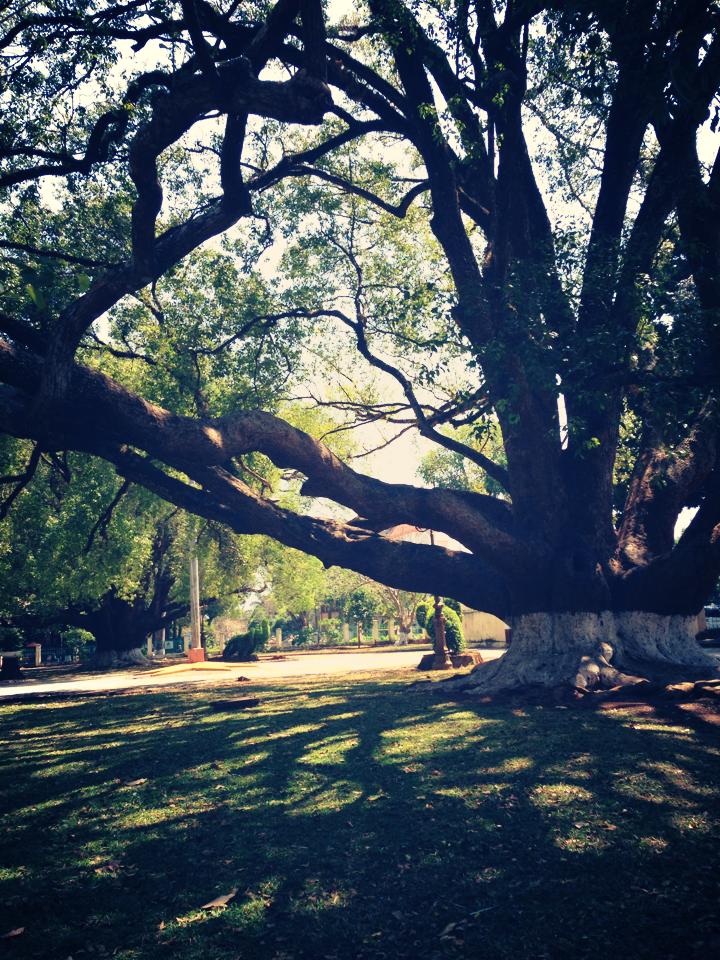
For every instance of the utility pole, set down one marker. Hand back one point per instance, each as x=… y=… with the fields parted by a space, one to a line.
x=196 y=652
x=442 y=654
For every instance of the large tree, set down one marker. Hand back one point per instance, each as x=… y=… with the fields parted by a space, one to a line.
x=555 y=163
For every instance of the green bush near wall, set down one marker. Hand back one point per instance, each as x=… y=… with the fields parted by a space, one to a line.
x=454 y=636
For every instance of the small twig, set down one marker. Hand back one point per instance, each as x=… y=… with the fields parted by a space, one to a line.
x=21 y=481
x=55 y=255
x=101 y=526
x=265 y=485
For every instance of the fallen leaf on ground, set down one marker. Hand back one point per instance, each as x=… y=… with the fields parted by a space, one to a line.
x=222 y=901
x=135 y=783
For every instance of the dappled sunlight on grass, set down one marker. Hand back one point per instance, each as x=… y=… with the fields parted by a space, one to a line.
x=354 y=818
x=511 y=765
x=698 y=823
x=331 y=750
x=676 y=776
x=287 y=734
x=550 y=794
x=330 y=799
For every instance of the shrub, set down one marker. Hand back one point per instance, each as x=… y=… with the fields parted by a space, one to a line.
x=425 y=611
x=454 y=605
x=79 y=641
x=454 y=636
x=331 y=631
x=301 y=636
x=245 y=646
x=240 y=647
x=421 y=614
x=11 y=638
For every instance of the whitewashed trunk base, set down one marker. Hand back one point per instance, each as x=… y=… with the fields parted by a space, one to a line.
x=119 y=658
x=653 y=638
x=588 y=651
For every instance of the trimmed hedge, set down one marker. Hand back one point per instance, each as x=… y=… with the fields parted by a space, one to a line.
x=245 y=646
x=454 y=636
x=421 y=613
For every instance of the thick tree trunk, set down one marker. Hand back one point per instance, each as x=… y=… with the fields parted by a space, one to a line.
x=119 y=628
x=655 y=639
x=109 y=651
x=593 y=651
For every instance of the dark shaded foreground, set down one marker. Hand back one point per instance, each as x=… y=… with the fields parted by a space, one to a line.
x=357 y=819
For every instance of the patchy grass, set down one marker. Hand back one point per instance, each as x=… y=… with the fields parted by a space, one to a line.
x=355 y=817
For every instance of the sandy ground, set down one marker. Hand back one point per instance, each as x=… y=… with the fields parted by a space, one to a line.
x=293 y=665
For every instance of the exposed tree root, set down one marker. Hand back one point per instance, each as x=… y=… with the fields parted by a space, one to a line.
x=643 y=692
x=568 y=657
x=649 y=638
x=105 y=659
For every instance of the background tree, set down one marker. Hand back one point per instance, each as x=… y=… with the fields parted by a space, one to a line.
x=400 y=606
x=509 y=209
x=80 y=550
x=361 y=606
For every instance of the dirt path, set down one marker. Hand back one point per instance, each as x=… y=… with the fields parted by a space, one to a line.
x=294 y=665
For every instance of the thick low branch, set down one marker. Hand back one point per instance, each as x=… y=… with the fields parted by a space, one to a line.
x=408 y=566
x=97 y=406
x=680 y=580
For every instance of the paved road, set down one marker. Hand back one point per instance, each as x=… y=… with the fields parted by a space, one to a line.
x=294 y=665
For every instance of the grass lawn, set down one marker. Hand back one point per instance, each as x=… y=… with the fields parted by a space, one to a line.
x=356 y=817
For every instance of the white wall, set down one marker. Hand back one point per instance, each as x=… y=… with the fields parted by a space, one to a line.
x=478 y=626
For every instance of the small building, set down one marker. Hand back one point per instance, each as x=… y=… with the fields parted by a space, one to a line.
x=480 y=627
x=710 y=618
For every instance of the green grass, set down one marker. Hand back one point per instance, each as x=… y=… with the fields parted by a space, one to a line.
x=356 y=818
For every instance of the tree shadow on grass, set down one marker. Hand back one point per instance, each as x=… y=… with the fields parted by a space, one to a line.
x=356 y=819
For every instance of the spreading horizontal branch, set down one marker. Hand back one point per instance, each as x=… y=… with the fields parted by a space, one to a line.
x=97 y=406
x=408 y=566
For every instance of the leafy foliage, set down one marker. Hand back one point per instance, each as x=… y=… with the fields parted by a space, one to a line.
x=73 y=537
x=454 y=635
x=421 y=613
x=362 y=606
